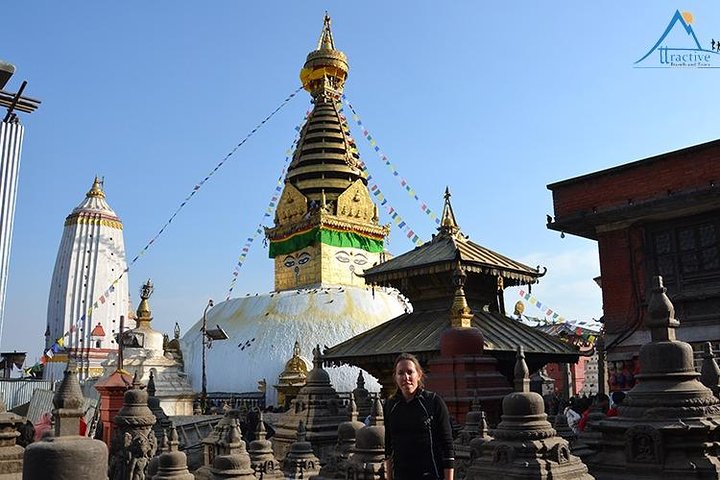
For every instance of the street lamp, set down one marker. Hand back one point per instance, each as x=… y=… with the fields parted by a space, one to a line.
x=208 y=335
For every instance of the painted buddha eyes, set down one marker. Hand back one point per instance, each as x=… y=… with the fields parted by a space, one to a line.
x=346 y=257
x=302 y=258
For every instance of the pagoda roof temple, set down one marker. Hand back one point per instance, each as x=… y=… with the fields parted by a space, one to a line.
x=425 y=276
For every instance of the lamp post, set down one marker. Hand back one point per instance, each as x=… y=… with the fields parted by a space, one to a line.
x=208 y=335
x=205 y=343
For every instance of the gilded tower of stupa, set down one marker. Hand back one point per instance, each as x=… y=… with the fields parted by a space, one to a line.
x=326 y=226
x=325 y=235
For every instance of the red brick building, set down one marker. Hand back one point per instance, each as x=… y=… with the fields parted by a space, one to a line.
x=656 y=216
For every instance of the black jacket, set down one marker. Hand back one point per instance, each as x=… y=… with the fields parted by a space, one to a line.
x=418 y=437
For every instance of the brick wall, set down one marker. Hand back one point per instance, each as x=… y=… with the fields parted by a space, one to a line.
x=622 y=267
x=685 y=170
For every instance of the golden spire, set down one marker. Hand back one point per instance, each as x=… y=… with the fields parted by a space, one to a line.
x=460 y=313
x=325 y=68
x=448 y=225
x=144 y=315
x=96 y=189
x=326 y=41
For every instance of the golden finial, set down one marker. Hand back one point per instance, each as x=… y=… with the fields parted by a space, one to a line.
x=460 y=313
x=96 y=190
x=326 y=41
x=144 y=315
x=325 y=68
x=448 y=225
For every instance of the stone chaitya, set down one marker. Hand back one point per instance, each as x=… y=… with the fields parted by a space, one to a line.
x=668 y=424
x=300 y=461
x=524 y=445
x=318 y=406
x=471 y=438
x=212 y=444
x=66 y=455
x=337 y=465
x=172 y=463
x=710 y=372
x=262 y=458
x=367 y=461
x=361 y=397
x=232 y=461
x=11 y=454
x=134 y=442
x=162 y=422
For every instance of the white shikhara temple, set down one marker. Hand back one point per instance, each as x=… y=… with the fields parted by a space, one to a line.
x=86 y=297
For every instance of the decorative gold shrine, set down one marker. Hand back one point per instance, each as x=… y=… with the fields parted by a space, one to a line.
x=326 y=225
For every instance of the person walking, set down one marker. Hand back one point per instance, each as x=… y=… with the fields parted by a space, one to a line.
x=418 y=437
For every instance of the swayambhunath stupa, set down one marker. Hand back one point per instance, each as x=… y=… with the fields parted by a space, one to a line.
x=326 y=233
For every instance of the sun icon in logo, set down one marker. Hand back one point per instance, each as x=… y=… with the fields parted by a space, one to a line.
x=688 y=17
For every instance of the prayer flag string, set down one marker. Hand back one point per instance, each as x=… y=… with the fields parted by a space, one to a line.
x=384 y=158
x=59 y=343
x=377 y=193
x=550 y=316
x=272 y=205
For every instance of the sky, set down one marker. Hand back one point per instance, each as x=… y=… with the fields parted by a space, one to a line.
x=493 y=99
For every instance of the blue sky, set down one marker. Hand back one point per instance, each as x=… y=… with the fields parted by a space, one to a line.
x=494 y=99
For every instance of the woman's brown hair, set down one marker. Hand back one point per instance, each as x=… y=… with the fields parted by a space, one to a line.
x=412 y=358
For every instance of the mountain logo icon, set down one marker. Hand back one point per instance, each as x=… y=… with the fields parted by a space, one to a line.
x=678 y=46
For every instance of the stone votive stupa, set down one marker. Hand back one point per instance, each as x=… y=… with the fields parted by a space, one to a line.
x=367 y=462
x=162 y=422
x=361 y=397
x=11 y=454
x=524 y=445
x=67 y=455
x=134 y=442
x=319 y=407
x=336 y=467
x=301 y=462
x=710 y=372
x=471 y=438
x=212 y=444
x=262 y=458
x=233 y=462
x=172 y=464
x=667 y=426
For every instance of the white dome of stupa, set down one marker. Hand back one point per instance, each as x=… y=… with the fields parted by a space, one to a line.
x=263 y=330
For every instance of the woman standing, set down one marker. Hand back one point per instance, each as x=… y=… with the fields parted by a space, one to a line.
x=418 y=438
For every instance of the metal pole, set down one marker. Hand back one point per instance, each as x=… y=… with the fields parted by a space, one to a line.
x=203 y=330
x=602 y=364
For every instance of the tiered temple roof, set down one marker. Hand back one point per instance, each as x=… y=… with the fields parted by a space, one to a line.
x=424 y=275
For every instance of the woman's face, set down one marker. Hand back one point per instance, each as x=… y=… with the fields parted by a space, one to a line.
x=407 y=377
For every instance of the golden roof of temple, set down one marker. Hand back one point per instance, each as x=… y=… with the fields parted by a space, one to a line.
x=326 y=161
x=295 y=369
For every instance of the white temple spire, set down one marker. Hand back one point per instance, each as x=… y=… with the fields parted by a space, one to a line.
x=90 y=259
